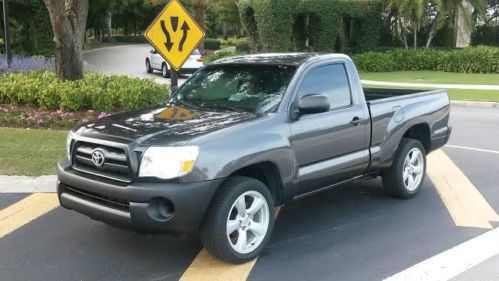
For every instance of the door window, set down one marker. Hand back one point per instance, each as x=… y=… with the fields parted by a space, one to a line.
x=330 y=80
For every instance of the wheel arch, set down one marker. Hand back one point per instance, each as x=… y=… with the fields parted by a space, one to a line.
x=420 y=132
x=266 y=172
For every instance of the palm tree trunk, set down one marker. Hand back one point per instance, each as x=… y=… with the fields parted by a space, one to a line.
x=463 y=26
x=415 y=34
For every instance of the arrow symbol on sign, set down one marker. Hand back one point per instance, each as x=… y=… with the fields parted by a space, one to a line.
x=174 y=21
x=185 y=28
x=169 y=43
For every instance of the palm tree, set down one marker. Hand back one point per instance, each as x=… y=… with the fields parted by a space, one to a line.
x=409 y=15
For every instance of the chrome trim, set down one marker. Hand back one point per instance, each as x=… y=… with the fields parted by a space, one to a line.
x=80 y=201
x=125 y=180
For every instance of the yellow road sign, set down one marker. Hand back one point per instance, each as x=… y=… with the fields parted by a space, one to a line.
x=174 y=34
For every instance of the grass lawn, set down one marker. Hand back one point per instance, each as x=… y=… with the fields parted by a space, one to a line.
x=432 y=77
x=435 y=77
x=30 y=152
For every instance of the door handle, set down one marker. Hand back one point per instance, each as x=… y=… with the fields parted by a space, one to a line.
x=356 y=121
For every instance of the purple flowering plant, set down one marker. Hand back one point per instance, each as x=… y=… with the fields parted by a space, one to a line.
x=23 y=64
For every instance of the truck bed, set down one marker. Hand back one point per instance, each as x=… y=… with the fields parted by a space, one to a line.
x=372 y=94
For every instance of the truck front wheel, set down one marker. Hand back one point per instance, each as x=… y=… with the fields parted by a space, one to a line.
x=406 y=175
x=239 y=221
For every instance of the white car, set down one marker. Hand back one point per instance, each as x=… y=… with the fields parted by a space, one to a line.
x=156 y=62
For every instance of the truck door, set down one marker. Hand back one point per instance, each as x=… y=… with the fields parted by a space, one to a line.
x=331 y=146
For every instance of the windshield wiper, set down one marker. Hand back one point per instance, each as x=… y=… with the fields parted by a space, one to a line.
x=178 y=102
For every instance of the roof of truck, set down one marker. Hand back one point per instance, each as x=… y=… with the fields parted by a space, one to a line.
x=295 y=59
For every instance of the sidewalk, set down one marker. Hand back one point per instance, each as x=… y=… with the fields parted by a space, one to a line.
x=27 y=184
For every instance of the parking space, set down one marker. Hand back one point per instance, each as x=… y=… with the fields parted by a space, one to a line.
x=354 y=232
x=9 y=199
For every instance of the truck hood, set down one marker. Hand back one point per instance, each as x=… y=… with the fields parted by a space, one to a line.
x=163 y=124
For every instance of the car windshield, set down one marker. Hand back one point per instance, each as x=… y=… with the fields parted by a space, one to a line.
x=242 y=87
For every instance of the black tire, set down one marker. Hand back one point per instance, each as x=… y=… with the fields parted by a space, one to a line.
x=213 y=229
x=393 y=178
x=164 y=71
x=148 y=66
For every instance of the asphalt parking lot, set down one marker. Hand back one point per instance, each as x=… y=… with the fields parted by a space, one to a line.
x=354 y=232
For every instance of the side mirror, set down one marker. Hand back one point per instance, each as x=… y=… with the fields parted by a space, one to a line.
x=313 y=103
x=152 y=51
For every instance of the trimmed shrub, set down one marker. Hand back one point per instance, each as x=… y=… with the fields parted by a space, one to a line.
x=243 y=47
x=96 y=91
x=211 y=44
x=375 y=62
x=469 y=60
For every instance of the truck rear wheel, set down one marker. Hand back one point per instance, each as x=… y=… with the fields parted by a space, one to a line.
x=406 y=175
x=240 y=220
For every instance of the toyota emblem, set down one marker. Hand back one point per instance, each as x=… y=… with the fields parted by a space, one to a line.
x=98 y=158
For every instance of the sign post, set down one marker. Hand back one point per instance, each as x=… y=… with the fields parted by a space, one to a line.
x=6 y=28
x=174 y=34
x=173 y=79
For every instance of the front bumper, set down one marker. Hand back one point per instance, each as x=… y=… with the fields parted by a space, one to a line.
x=137 y=204
x=188 y=70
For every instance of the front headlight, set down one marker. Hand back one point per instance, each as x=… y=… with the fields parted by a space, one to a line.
x=69 y=139
x=168 y=162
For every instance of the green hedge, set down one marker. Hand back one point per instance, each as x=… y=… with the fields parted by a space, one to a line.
x=233 y=41
x=96 y=91
x=334 y=25
x=211 y=44
x=469 y=60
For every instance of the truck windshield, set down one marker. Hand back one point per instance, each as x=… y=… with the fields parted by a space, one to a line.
x=242 y=87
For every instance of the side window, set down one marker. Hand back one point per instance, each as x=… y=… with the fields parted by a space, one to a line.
x=330 y=80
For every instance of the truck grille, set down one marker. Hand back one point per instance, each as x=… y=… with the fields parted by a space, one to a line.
x=111 y=202
x=108 y=162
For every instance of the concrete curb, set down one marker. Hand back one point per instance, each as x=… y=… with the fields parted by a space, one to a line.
x=26 y=184
x=480 y=104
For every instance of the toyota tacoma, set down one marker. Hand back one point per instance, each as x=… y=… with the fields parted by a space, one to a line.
x=242 y=136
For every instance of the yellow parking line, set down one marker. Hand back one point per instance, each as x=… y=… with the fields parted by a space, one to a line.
x=26 y=210
x=464 y=202
x=207 y=268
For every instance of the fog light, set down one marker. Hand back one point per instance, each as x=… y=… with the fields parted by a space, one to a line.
x=161 y=209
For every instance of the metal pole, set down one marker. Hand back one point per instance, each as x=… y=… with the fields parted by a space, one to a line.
x=173 y=79
x=7 y=32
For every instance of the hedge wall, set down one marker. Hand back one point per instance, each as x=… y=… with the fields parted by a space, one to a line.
x=479 y=59
x=334 y=25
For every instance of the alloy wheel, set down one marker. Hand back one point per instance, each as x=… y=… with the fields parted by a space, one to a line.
x=247 y=222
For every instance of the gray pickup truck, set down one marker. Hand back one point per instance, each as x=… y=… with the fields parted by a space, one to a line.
x=242 y=136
